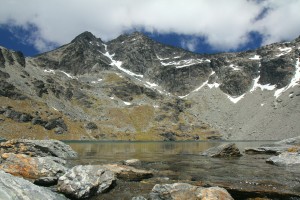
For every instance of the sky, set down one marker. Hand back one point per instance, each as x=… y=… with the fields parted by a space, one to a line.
x=203 y=26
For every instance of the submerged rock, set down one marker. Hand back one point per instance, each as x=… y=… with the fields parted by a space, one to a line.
x=15 y=188
x=84 y=181
x=285 y=159
x=38 y=148
x=184 y=191
x=132 y=162
x=224 y=150
x=128 y=173
x=32 y=167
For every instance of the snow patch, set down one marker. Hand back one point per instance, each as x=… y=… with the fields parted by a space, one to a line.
x=284 y=51
x=49 y=71
x=127 y=103
x=184 y=63
x=118 y=63
x=255 y=57
x=112 y=97
x=234 y=67
x=235 y=99
x=150 y=85
x=98 y=81
x=216 y=85
x=68 y=75
x=262 y=87
x=54 y=108
x=262 y=104
x=295 y=81
x=160 y=58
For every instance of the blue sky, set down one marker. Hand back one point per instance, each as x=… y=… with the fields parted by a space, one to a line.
x=203 y=26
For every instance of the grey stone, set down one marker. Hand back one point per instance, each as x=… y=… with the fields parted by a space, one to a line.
x=14 y=188
x=285 y=159
x=84 y=181
x=139 y=198
x=184 y=191
x=132 y=162
x=32 y=167
x=224 y=150
x=38 y=148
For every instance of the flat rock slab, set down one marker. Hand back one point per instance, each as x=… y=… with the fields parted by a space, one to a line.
x=38 y=148
x=84 y=181
x=272 y=150
x=32 y=167
x=184 y=191
x=224 y=150
x=128 y=173
x=15 y=188
x=285 y=159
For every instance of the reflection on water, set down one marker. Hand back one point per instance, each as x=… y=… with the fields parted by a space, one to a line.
x=181 y=161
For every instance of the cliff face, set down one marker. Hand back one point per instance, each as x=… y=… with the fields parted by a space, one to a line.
x=135 y=88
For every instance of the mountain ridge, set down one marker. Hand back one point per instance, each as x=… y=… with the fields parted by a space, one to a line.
x=135 y=88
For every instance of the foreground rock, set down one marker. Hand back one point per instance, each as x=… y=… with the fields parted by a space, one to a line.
x=184 y=191
x=14 y=188
x=290 y=144
x=128 y=173
x=132 y=162
x=285 y=159
x=84 y=181
x=38 y=148
x=224 y=150
x=32 y=167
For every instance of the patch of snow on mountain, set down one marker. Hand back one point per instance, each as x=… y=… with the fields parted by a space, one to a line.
x=235 y=99
x=284 y=51
x=118 y=63
x=150 y=85
x=235 y=68
x=49 y=71
x=184 y=63
x=98 y=81
x=262 y=87
x=160 y=58
x=127 y=103
x=255 y=57
x=295 y=81
x=68 y=75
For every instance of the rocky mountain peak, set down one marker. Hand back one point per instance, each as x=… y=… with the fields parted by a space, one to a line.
x=85 y=36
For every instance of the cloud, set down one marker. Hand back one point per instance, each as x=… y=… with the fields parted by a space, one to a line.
x=225 y=24
x=189 y=44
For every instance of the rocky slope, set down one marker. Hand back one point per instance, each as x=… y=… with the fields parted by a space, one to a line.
x=134 y=88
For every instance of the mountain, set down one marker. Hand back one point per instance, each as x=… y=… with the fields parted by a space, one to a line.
x=134 y=88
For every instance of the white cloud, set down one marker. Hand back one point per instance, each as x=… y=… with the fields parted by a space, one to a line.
x=225 y=24
x=189 y=44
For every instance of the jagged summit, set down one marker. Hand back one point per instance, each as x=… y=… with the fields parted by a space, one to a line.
x=85 y=36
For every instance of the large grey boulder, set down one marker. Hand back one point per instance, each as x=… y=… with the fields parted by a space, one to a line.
x=290 y=144
x=184 y=191
x=15 y=188
x=84 y=181
x=285 y=159
x=128 y=173
x=38 y=148
x=32 y=167
x=224 y=150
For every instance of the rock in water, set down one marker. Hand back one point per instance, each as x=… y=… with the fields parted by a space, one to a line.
x=184 y=191
x=14 y=188
x=285 y=159
x=83 y=181
x=128 y=173
x=32 y=167
x=132 y=162
x=224 y=150
x=38 y=148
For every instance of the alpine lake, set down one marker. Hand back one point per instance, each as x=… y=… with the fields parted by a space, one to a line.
x=246 y=177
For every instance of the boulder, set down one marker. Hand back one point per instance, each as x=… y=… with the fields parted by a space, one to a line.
x=38 y=148
x=285 y=159
x=84 y=181
x=224 y=150
x=91 y=126
x=184 y=191
x=32 y=167
x=277 y=147
x=128 y=173
x=139 y=198
x=132 y=162
x=15 y=188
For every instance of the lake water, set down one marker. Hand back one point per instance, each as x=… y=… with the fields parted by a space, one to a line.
x=181 y=162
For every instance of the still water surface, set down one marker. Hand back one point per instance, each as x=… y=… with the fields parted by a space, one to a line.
x=181 y=162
